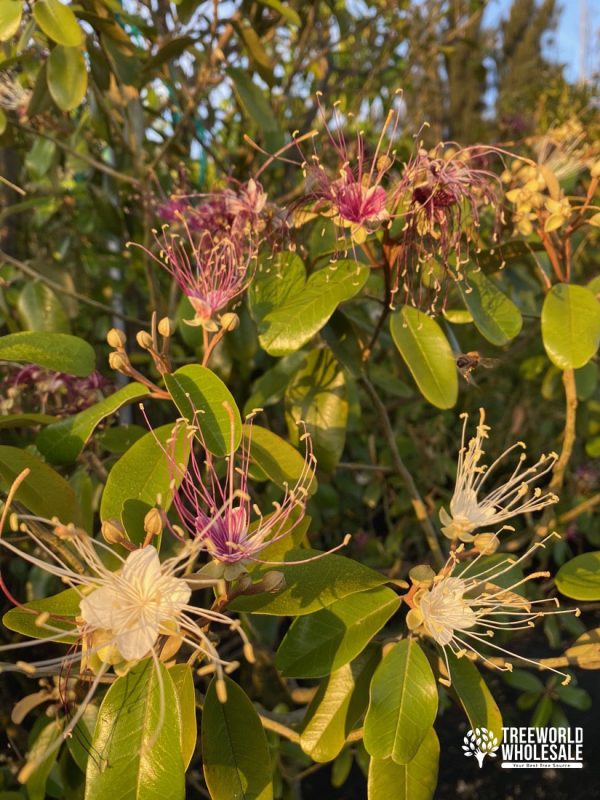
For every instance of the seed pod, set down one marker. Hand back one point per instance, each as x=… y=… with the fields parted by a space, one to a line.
x=116 y=338
x=144 y=340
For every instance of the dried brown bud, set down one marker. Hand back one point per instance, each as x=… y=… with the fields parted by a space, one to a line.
x=144 y=340
x=166 y=327
x=112 y=531
x=116 y=338
x=153 y=522
x=229 y=321
x=119 y=362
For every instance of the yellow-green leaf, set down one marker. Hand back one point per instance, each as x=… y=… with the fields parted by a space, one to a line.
x=415 y=780
x=10 y=18
x=570 y=325
x=67 y=77
x=58 y=22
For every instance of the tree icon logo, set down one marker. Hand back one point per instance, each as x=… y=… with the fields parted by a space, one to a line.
x=480 y=743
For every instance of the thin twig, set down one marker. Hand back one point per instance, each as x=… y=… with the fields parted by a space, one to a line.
x=558 y=473
x=587 y=505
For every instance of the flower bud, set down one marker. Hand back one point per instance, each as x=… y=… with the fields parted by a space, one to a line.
x=486 y=543
x=422 y=574
x=144 y=340
x=595 y=170
x=229 y=321
x=116 y=338
x=273 y=581
x=166 y=327
x=112 y=531
x=119 y=362
x=153 y=522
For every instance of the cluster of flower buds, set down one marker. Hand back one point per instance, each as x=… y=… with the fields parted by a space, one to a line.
x=537 y=197
x=156 y=343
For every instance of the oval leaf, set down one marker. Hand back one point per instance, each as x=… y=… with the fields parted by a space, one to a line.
x=413 y=781
x=579 y=578
x=472 y=693
x=322 y=642
x=570 y=325
x=183 y=681
x=428 y=355
x=67 y=77
x=403 y=704
x=57 y=351
x=137 y=739
x=144 y=473
x=64 y=604
x=41 y=310
x=237 y=765
x=495 y=315
x=63 y=441
x=339 y=702
x=289 y=309
x=44 y=492
x=58 y=22
x=10 y=18
x=198 y=389
x=279 y=461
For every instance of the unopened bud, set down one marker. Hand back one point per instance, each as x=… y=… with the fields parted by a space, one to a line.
x=229 y=321
x=112 y=531
x=421 y=574
x=595 y=170
x=486 y=543
x=116 y=338
x=144 y=340
x=165 y=327
x=118 y=361
x=273 y=581
x=153 y=522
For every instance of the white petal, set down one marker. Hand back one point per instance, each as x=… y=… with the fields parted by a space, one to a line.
x=142 y=567
x=98 y=607
x=135 y=644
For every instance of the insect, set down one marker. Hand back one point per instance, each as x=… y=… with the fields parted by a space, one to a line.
x=467 y=362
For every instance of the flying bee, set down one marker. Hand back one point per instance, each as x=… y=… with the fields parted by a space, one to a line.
x=467 y=362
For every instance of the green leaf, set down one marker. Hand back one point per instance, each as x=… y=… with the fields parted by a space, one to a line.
x=495 y=316
x=474 y=696
x=317 y=644
x=144 y=472
x=43 y=492
x=78 y=743
x=67 y=77
x=63 y=604
x=339 y=702
x=310 y=588
x=10 y=18
x=280 y=462
x=428 y=355
x=284 y=10
x=579 y=578
x=25 y=420
x=56 y=351
x=271 y=385
x=40 y=309
x=58 y=22
x=36 y=783
x=195 y=388
x=137 y=739
x=570 y=325
x=63 y=441
x=403 y=704
x=317 y=396
x=415 y=780
x=253 y=101
x=235 y=752
x=183 y=681
x=289 y=309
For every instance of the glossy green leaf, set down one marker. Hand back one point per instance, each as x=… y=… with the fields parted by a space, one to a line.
x=253 y=100
x=237 y=765
x=279 y=461
x=63 y=441
x=471 y=691
x=495 y=315
x=271 y=385
x=40 y=309
x=310 y=587
x=144 y=471
x=10 y=18
x=428 y=355
x=320 y=643
x=415 y=780
x=58 y=22
x=317 y=396
x=290 y=309
x=198 y=389
x=137 y=739
x=43 y=492
x=183 y=681
x=570 y=325
x=57 y=351
x=579 y=578
x=339 y=702
x=67 y=77
x=78 y=743
x=36 y=783
x=25 y=420
x=403 y=704
x=63 y=604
